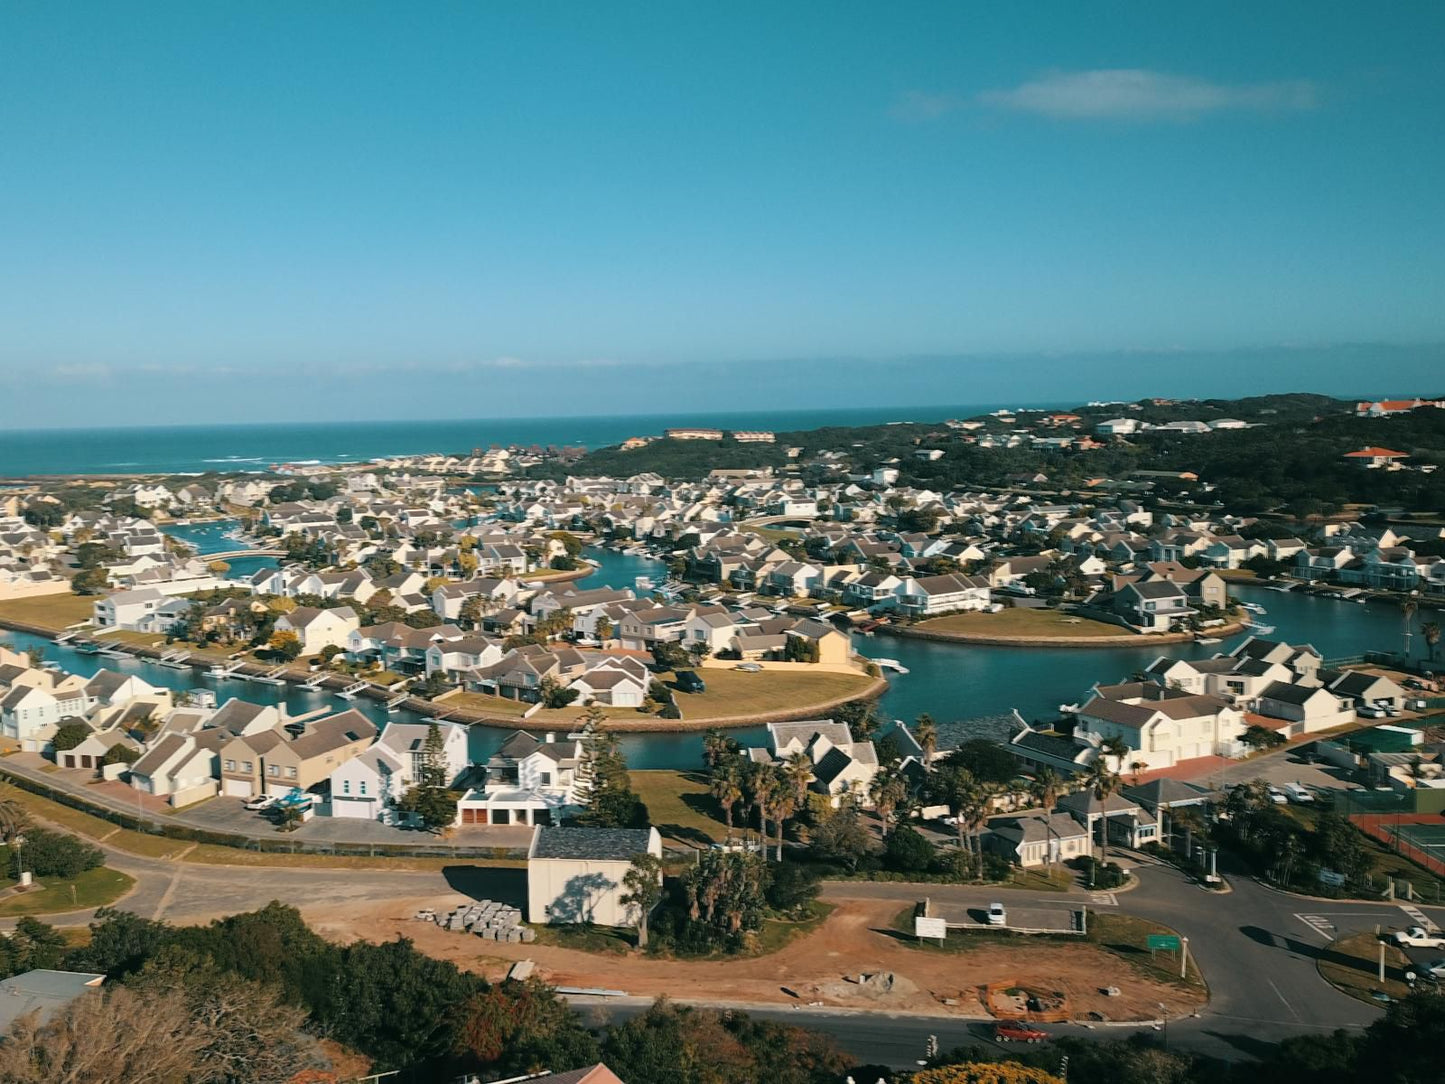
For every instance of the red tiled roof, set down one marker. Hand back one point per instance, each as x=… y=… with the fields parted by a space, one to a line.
x=1376 y=453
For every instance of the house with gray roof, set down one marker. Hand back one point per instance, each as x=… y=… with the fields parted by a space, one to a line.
x=575 y=875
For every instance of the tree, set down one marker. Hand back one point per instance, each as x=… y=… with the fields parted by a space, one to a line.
x=906 y=850
x=670 y=656
x=717 y=747
x=1046 y=787
x=643 y=882
x=1103 y=782
x=14 y=819
x=887 y=790
x=90 y=581
x=554 y=694
x=954 y=786
x=70 y=734
x=726 y=789
x=1407 y=614
x=55 y=854
x=927 y=736
x=602 y=787
x=285 y=644
x=842 y=837
x=1430 y=630
x=984 y=1073
x=798 y=770
x=1261 y=737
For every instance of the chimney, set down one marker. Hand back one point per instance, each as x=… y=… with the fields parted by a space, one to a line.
x=551 y=736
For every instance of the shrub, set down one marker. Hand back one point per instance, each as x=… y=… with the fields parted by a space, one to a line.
x=54 y=854
x=907 y=851
x=70 y=735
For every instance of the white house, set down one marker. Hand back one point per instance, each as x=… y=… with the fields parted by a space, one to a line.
x=317 y=629
x=575 y=875
x=528 y=782
x=367 y=786
x=130 y=610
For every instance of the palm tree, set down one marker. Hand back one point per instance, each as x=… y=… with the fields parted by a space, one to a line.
x=1137 y=767
x=1047 y=785
x=784 y=805
x=1430 y=630
x=715 y=745
x=799 y=770
x=1407 y=610
x=1103 y=782
x=728 y=793
x=887 y=790
x=1116 y=748
x=927 y=736
x=13 y=819
x=764 y=787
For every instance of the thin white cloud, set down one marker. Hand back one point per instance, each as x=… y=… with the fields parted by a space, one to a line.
x=1116 y=94
x=1139 y=94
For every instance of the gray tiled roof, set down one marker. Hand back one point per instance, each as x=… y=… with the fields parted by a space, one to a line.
x=597 y=844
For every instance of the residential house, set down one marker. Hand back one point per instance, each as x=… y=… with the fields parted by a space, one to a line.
x=296 y=756
x=527 y=782
x=317 y=629
x=367 y=786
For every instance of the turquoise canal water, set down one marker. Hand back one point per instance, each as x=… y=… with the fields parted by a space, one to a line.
x=954 y=683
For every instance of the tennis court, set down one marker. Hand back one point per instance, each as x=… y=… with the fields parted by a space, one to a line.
x=1427 y=837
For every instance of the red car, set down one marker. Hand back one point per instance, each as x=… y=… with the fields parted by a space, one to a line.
x=1018 y=1033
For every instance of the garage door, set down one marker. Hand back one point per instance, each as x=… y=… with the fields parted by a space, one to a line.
x=236 y=788
x=472 y=815
x=355 y=808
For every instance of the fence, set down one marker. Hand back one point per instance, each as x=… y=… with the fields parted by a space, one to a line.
x=261 y=844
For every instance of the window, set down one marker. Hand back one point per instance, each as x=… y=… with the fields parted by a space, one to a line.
x=363 y=786
x=230 y=765
x=346 y=786
x=290 y=773
x=247 y=767
x=273 y=769
x=546 y=778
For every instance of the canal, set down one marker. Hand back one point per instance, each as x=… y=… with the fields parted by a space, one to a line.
x=955 y=683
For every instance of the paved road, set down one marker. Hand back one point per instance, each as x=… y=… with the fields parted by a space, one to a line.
x=1257 y=949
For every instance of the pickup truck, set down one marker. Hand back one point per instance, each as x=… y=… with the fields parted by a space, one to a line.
x=1418 y=937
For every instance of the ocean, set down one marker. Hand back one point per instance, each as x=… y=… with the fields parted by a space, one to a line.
x=199 y=448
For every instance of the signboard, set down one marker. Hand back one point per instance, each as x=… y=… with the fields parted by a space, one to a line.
x=1330 y=877
x=1166 y=942
x=930 y=927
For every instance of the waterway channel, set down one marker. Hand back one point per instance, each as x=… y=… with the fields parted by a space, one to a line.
x=955 y=683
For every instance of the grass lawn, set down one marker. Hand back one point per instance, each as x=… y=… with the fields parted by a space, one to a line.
x=1126 y=936
x=1043 y=623
x=49 y=611
x=127 y=636
x=1352 y=966
x=93 y=888
x=96 y=828
x=601 y=940
x=1040 y=879
x=681 y=806
x=490 y=705
x=777 y=933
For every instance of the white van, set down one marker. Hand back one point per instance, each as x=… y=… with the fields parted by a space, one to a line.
x=1297 y=794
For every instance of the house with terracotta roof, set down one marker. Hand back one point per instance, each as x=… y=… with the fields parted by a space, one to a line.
x=1374 y=458
x=1386 y=408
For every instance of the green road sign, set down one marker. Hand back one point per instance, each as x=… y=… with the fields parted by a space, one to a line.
x=1166 y=941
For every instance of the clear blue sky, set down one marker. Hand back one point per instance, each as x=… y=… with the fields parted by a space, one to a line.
x=277 y=210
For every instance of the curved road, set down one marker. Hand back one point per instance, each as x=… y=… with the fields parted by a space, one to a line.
x=1256 y=947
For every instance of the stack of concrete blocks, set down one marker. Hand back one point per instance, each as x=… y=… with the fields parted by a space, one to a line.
x=490 y=921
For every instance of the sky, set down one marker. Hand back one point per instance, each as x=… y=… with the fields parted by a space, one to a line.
x=270 y=211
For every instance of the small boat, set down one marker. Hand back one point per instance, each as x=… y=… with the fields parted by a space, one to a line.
x=1206 y=639
x=1261 y=630
x=1254 y=608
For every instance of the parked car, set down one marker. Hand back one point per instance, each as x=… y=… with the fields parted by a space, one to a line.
x=1388 y=708
x=1370 y=711
x=689 y=682
x=260 y=802
x=1018 y=1033
x=997 y=916
x=1277 y=796
x=1297 y=793
x=1418 y=937
x=749 y=667
x=1435 y=969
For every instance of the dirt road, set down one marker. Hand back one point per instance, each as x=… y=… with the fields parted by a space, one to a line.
x=817 y=967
